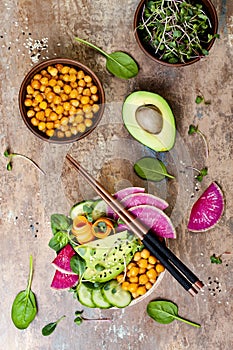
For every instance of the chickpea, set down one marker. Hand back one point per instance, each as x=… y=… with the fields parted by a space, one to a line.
x=81 y=83
x=64 y=121
x=89 y=115
x=88 y=123
x=35 y=121
x=59 y=109
x=37 y=77
x=93 y=89
x=120 y=278
x=74 y=103
x=143 y=279
x=72 y=71
x=64 y=128
x=133 y=279
x=132 y=287
x=152 y=260
x=148 y=285
x=50 y=96
x=42 y=88
x=73 y=94
x=40 y=115
x=57 y=100
x=145 y=253
x=57 y=124
x=28 y=102
x=72 y=78
x=41 y=126
x=84 y=100
x=73 y=130
x=60 y=83
x=65 y=70
x=60 y=134
x=67 y=89
x=57 y=89
x=142 y=270
x=81 y=127
x=35 y=84
x=47 y=89
x=142 y=263
x=50 y=132
x=95 y=98
x=159 y=268
x=86 y=92
x=30 y=90
x=64 y=97
x=134 y=271
x=52 y=70
x=47 y=112
x=141 y=290
x=66 y=77
x=95 y=108
x=52 y=82
x=87 y=108
x=68 y=133
x=44 y=81
x=87 y=78
x=66 y=106
x=130 y=265
x=39 y=98
x=30 y=113
x=151 y=274
x=80 y=74
x=43 y=105
x=125 y=285
x=74 y=84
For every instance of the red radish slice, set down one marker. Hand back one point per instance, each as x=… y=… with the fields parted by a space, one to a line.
x=207 y=210
x=62 y=260
x=136 y=199
x=119 y=195
x=154 y=219
x=63 y=280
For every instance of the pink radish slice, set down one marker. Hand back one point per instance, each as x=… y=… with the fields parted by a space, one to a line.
x=63 y=280
x=207 y=210
x=62 y=260
x=136 y=199
x=155 y=219
x=119 y=195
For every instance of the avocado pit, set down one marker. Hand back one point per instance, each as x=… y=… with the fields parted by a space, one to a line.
x=149 y=118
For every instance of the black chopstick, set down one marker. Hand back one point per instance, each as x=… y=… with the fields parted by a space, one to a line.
x=179 y=271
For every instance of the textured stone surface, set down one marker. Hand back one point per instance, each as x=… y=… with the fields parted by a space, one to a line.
x=28 y=198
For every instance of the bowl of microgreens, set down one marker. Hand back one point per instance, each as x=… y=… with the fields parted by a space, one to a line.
x=175 y=33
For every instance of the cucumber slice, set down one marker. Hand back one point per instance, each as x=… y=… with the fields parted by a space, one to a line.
x=77 y=208
x=99 y=300
x=85 y=296
x=115 y=295
x=99 y=210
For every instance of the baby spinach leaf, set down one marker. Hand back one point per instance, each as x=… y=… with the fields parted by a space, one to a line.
x=50 y=327
x=60 y=222
x=151 y=169
x=118 y=63
x=166 y=312
x=24 y=308
x=58 y=241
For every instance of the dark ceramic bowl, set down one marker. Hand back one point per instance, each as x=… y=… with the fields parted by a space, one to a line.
x=68 y=137
x=210 y=11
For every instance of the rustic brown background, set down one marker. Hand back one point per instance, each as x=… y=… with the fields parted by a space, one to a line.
x=28 y=198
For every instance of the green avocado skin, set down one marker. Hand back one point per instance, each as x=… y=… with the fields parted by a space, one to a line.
x=165 y=139
x=108 y=259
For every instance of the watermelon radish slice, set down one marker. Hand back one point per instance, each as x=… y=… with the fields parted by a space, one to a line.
x=207 y=210
x=155 y=219
x=63 y=280
x=136 y=199
x=119 y=195
x=62 y=260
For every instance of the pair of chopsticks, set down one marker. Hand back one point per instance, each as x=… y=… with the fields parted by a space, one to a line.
x=175 y=266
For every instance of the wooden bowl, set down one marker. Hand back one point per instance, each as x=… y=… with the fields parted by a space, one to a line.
x=209 y=9
x=42 y=133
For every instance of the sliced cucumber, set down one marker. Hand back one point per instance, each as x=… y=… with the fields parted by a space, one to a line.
x=115 y=295
x=85 y=296
x=99 y=210
x=78 y=209
x=99 y=300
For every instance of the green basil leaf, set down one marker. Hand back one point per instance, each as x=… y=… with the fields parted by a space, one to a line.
x=58 y=241
x=77 y=265
x=151 y=169
x=60 y=222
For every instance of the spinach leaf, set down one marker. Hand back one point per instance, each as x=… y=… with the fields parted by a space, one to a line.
x=77 y=265
x=118 y=63
x=59 y=240
x=60 y=222
x=166 y=312
x=50 y=327
x=24 y=308
x=151 y=169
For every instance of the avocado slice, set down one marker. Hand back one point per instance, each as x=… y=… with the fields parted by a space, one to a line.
x=149 y=119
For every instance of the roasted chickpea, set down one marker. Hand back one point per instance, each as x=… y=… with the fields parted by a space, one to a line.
x=35 y=84
x=88 y=123
x=67 y=89
x=30 y=113
x=81 y=127
x=28 y=102
x=50 y=132
x=159 y=268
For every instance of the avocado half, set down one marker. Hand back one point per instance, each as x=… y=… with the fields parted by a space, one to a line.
x=149 y=119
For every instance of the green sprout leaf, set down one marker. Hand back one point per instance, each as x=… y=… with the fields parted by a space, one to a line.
x=195 y=130
x=215 y=259
x=50 y=327
x=9 y=155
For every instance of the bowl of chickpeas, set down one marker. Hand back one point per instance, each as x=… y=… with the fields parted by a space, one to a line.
x=61 y=100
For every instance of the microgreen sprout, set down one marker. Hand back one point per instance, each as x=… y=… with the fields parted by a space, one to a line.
x=195 y=130
x=10 y=156
x=178 y=30
x=217 y=259
x=79 y=319
x=201 y=173
x=200 y=99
